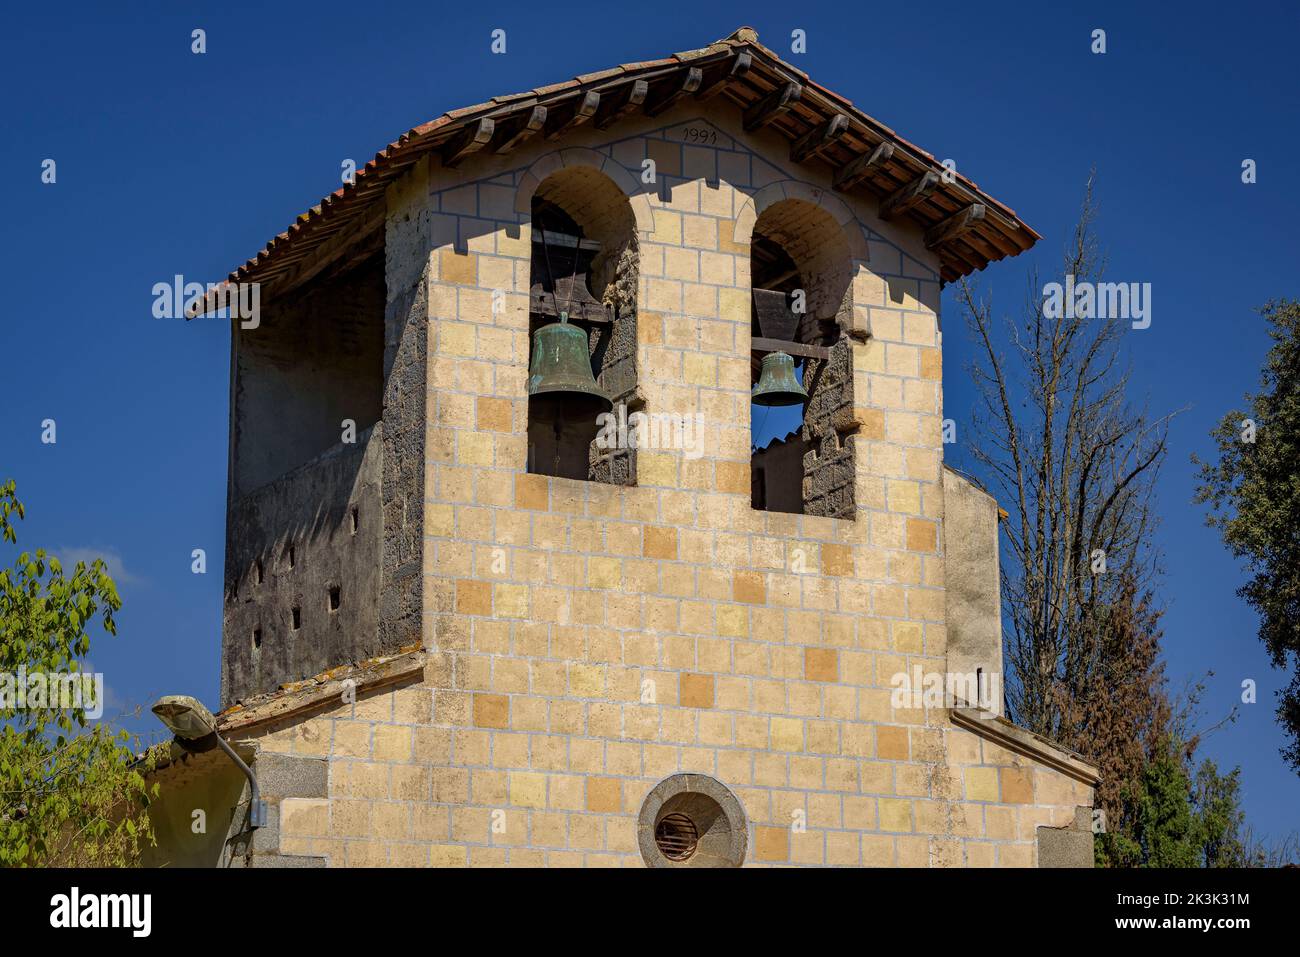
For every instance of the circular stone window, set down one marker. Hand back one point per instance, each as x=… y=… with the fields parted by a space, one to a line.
x=692 y=820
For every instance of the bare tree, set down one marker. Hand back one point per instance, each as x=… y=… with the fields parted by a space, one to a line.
x=1074 y=464
x=1281 y=851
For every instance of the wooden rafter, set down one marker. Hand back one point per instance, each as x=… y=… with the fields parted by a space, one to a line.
x=856 y=170
x=767 y=109
x=676 y=88
x=818 y=138
x=584 y=108
x=621 y=102
x=521 y=130
x=739 y=66
x=905 y=197
x=767 y=91
x=472 y=139
x=957 y=224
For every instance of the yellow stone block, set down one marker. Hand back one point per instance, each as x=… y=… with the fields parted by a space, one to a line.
x=821 y=664
x=604 y=572
x=527 y=789
x=696 y=691
x=895 y=814
x=981 y=784
x=511 y=601
x=586 y=681
x=456 y=268
x=491 y=711
x=771 y=844
x=787 y=734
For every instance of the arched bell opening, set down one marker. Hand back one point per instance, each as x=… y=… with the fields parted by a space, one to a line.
x=582 y=326
x=801 y=364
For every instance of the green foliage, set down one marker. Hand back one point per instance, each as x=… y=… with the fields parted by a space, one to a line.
x=1172 y=818
x=69 y=791
x=1220 y=821
x=1253 y=491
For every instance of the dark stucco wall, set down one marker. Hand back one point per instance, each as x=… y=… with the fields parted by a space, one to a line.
x=328 y=512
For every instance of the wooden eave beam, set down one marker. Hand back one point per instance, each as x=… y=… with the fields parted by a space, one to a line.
x=739 y=66
x=818 y=138
x=957 y=224
x=469 y=141
x=676 y=88
x=959 y=191
x=977 y=241
x=520 y=131
x=776 y=103
x=621 y=102
x=858 y=169
x=584 y=108
x=335 y=248
x=905 y=197
x=957 y=253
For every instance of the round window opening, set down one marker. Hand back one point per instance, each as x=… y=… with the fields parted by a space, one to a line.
x=676 y=836
x=692 y=820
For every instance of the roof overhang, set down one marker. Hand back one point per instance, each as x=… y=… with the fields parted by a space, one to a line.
x=965 y=227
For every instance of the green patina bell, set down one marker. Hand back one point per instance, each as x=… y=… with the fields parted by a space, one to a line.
x=561 y=364
x=777 y=384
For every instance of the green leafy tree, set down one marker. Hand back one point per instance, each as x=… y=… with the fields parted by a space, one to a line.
x=1219 y=818
x=71 y=791
x=1253 y=491
x=1166 y=827
x=1170 y=817
x=1156 y=818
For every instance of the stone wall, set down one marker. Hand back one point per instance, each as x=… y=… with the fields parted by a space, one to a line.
x=303 y=571
x=973 y=604
x=324 y=526
x=584 y=641
x=830 y=423
x=406 y=411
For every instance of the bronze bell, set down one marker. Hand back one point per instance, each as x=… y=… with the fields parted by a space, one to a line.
x=777 y=384
x=561 y=365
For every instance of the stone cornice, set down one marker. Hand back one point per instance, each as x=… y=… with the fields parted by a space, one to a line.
x=1014 y=738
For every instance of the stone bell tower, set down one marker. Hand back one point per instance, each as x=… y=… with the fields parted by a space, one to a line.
x=504 y=637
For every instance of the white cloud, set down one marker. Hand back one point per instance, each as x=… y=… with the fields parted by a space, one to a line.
x=112 y=562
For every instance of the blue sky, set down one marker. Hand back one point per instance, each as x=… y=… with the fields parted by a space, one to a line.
x=171 y=163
